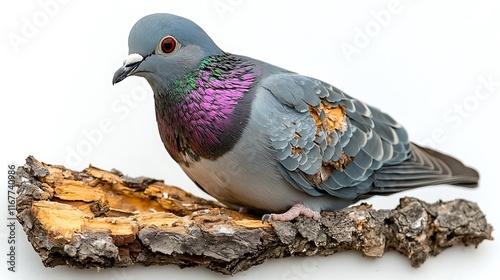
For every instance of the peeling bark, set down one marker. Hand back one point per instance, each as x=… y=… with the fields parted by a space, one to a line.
x=98 y=219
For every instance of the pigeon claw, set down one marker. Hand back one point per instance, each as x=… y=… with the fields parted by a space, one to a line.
x=298 y=209
x=267 y=218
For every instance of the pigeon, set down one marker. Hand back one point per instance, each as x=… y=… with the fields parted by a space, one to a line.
x=260 y=138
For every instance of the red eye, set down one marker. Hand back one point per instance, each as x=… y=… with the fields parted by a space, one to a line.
x=168 y=44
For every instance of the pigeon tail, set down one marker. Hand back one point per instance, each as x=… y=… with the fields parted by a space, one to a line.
x=425 y=167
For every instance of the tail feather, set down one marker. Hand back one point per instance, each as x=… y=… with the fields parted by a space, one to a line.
x=462 y=175
x=424 y=167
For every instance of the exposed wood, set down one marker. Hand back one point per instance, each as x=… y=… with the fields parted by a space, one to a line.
x=98 y=219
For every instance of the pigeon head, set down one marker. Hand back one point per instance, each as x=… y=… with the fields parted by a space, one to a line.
x=163 y=47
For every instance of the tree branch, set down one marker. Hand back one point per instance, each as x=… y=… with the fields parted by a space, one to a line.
x=97 y=219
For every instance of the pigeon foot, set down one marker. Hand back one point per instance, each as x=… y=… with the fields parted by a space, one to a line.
x=298 y=209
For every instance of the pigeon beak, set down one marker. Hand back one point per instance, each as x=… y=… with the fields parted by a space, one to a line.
x=129 y=65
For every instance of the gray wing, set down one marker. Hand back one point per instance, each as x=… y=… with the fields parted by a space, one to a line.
x=327 y=142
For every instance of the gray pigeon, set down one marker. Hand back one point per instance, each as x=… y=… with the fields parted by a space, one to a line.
x=262 y=138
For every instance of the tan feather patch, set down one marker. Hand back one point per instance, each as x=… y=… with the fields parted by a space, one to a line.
x=335 y=117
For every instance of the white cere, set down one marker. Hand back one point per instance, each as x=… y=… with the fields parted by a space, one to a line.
x=132 y=58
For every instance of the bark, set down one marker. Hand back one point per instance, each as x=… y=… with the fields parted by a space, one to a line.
x=98 y=219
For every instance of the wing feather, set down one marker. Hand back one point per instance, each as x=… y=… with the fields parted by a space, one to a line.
x=361 y=152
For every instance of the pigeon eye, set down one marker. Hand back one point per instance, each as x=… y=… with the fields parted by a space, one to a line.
x=168 y=44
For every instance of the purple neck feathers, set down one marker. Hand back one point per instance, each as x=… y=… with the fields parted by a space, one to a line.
x=204 y=113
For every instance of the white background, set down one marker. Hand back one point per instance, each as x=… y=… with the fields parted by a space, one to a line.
x=422 y=64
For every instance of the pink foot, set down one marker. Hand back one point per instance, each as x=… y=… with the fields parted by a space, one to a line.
x=296 y=210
